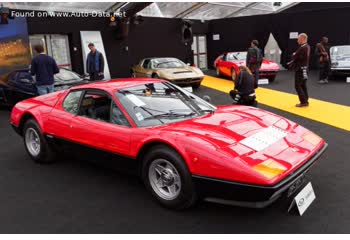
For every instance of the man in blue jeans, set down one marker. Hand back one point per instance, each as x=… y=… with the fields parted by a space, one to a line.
x=43 y=67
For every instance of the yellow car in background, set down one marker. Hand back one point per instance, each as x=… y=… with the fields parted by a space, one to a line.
x=171 y=69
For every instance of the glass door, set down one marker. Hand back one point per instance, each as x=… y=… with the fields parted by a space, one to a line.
x=199 y=48
x=55 y=45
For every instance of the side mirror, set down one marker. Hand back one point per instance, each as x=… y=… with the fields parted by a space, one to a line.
x=206 y=98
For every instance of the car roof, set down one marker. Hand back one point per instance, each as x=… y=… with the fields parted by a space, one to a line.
x=117 y=84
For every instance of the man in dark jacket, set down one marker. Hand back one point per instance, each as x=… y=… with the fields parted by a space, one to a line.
x=95 y=63
x=43 y=67
x=300 y=63
x=322 y=54
x=254 y=60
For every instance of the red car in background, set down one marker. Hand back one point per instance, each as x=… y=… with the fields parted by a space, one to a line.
x=183 y=147
x=227 y=64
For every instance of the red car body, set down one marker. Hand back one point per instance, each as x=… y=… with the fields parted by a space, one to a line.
x=210 y=145
x=227 y=64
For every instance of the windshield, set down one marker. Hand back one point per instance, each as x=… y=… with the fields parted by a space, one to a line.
x=340 y=50
x=161 y=103
x=167 y=63
x=66 y=75
x=236 y=56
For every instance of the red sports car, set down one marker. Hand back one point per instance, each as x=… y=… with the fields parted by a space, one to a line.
x=183 y=147
x=227 y=64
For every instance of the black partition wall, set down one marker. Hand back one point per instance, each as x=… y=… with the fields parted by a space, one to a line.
x=315 y=19
x=162 y=36
x=153 y=37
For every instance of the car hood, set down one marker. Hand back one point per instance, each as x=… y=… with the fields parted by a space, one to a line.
x=175 y=73
x=266 y=65
x=231 y=128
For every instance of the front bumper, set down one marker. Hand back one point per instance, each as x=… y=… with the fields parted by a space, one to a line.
x=186 y=81
x=249 y=195
x=267 y=73
x=340 y=71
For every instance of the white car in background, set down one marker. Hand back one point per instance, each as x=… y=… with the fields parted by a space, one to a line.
x=340 y=60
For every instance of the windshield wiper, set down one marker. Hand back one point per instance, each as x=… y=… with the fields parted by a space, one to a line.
x=207 y=110
x=172 y=114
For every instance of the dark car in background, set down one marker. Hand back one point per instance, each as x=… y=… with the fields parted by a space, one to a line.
x=340 y=61
x=20 y=84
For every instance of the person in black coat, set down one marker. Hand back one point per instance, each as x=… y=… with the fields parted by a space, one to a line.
x=254 y=60
x=300 y=63
x=95 y=63
x=244 y=91
x=43 y=67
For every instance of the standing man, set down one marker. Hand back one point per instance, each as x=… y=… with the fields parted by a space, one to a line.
x=300 y=63
x=43 y=67
x=95 y=63
x=254 y=60
x=322 y=54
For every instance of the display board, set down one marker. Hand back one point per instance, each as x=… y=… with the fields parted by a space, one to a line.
x=95 y=38
x=14 y=45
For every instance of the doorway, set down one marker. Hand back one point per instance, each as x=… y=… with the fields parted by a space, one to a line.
x=55 y=45
x=199 y=48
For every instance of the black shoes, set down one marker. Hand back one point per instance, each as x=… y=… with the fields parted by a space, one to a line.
x=302 y=104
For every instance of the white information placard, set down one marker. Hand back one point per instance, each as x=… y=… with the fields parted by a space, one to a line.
x=348 y=79
x=216 y=37
x=95 y=38
x=293 y=35
x=304 y=198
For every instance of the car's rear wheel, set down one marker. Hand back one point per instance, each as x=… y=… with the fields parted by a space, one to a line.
x=133 y=74
x=233 y=74
x=35 y=143
x=218 y=73
x=167 y=177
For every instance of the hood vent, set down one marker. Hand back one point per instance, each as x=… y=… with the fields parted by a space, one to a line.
x=182 y=72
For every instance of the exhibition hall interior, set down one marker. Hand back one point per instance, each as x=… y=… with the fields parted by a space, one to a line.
x=174 y=117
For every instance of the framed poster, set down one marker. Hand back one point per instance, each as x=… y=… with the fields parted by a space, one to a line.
x=14 y=45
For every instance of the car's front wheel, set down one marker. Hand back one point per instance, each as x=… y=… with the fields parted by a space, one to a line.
x=272 y=78
x=233 y=74
x=196 y=85
x=35 y=143
x=167 y=177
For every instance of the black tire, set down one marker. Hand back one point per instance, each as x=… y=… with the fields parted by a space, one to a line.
x=272 y=78
x=187 y=195
x=233 y=74
x=155 y=75
x=133 y=75
x=218 y=73
x=46 y=153
x=196 y=85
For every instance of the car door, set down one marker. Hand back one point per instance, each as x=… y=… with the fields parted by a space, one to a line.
x=21 y=86
x=95 y=126
x=146 y=70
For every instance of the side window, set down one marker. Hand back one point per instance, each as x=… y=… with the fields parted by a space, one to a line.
x=25 y=75
x=71 y=102
x=117 y=116
x=146 y=63
x=96 y=105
